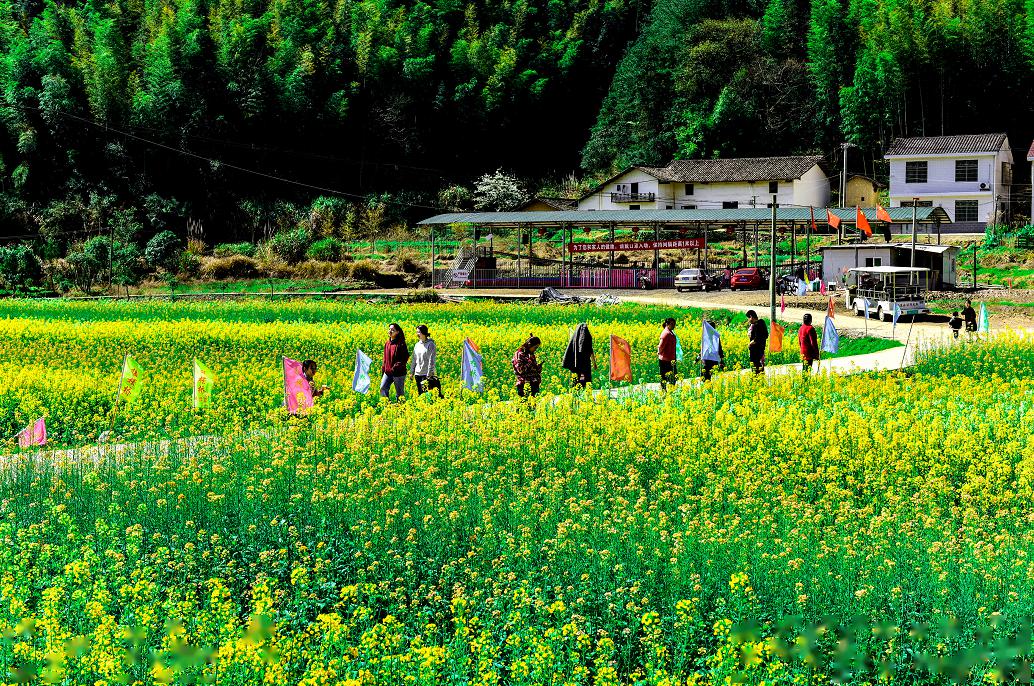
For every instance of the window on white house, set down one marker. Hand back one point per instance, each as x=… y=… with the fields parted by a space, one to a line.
x=915 y=172
x=731 y=205
x=965 y=170
x=689 y=189
x=633 y=207
x=773 y=186
x=873 y=261
x=967 y=211
x=689 y=207
x=668 y=207
x=921 y=203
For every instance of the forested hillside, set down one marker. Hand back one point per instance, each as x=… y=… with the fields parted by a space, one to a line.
x=146 y=113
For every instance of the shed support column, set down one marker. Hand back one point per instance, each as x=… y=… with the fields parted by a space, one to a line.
x=610 y=273
x=432 y=257
x=520 y=237
x=705 y=246
x=793 y=246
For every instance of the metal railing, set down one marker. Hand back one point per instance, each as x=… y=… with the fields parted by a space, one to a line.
x=633 y=197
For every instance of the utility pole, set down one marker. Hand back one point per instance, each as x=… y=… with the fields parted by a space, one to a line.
x=843 y=176
x=772 y=264
x=912 y=263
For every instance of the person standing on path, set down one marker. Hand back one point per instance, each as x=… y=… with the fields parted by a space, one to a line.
x=425 y=357
x=526 y=368
x=396 y=355
x=809 y=342
x=757 y=333
x=970 y=317
x=579 y=358
x=667 y=354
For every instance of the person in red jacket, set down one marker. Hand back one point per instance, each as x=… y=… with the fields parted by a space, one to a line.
x=396 y=355
x=666 y=354
x=809 y=342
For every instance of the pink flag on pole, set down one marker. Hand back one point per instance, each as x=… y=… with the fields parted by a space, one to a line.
x=822 y=287
x=33 y=434
x=297 y=390
x=782 y=304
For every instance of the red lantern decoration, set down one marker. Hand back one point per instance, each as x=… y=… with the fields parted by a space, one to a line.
x=585 y=230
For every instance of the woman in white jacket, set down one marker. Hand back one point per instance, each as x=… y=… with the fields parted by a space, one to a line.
x=425 y=354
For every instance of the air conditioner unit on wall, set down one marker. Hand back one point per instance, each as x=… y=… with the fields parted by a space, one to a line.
x=983 y=186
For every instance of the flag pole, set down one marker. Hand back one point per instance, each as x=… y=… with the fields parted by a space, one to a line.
x=118 y=394
x=904 y=351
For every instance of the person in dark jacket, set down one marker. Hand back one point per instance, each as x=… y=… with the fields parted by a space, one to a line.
x=955 y=324
x=526 y=368
x=396 y=355
x=809 y=342
x=757 y=333
x=667 y=354
x=579 y=358
x=970 y=317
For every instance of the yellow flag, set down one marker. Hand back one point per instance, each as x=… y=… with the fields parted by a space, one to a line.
x=132 y=381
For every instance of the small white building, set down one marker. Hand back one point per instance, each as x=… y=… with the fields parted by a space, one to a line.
x=970 y=177
x=941 y=260
x=715 y=184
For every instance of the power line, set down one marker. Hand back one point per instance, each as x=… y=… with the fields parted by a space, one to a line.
x=220 y=163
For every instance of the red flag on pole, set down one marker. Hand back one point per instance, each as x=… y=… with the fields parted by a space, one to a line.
x=882 y=214
x=620 y=359
x=832 y=219
x=830 y=310
x=813 y=227
x=861 y=223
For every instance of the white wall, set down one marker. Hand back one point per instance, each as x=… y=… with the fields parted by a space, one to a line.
x=812 y=189
x=600 y=200
x=835 y=261
x=942 y=189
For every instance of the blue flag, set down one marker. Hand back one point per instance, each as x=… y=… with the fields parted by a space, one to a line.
x=984 y=324
x=830 y=337
x=897 y=314
x=678 y=349
x=470 y=366
x=802 y=287
x=710 y=344
x=361 y=378
x=865 y=305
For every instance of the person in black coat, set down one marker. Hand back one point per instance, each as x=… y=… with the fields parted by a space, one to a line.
x=579 y=358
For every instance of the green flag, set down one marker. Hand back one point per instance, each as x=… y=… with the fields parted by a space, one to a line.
x=984 y=324
x=132 y=381
x=204 y=379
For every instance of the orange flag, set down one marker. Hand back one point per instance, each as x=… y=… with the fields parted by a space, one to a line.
x=813 y=227
x=882 y=214
x=861 y=223
x=830 y=310
x=832 y=219
x=620 y=359
x=775 y=341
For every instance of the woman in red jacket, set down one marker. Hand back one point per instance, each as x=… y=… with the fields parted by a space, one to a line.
x=396 y=355
x=667 y=353
x=809 y=342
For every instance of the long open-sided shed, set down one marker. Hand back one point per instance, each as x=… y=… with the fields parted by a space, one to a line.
x=578 y=233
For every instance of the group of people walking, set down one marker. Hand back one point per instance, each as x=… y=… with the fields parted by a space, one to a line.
x=420 y=364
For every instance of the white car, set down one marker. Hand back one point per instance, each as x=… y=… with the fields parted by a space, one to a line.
x=690 y=278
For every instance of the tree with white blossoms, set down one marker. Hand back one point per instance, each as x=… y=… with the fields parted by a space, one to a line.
x=498 y=191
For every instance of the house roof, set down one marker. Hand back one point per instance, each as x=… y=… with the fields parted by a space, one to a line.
x=556 y=203
x=675 y=217
x=1030 y=153
x=736 y=169
x=875 y=183
x=946 y=145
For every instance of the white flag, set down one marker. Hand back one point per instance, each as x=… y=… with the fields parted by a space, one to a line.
x=710 y=344
x=361 y=378
x=470 y=366
x=830 y=337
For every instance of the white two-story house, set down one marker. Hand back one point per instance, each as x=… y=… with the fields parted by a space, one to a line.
x=715 y=184
x=969 y=176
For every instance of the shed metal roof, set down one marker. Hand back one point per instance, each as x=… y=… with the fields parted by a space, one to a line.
x=642 y=217
x=947 y=145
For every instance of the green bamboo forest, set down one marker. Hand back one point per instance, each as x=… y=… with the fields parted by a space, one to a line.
x=245 y=115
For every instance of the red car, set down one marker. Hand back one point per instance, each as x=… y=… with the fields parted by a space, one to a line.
x=750 y=277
